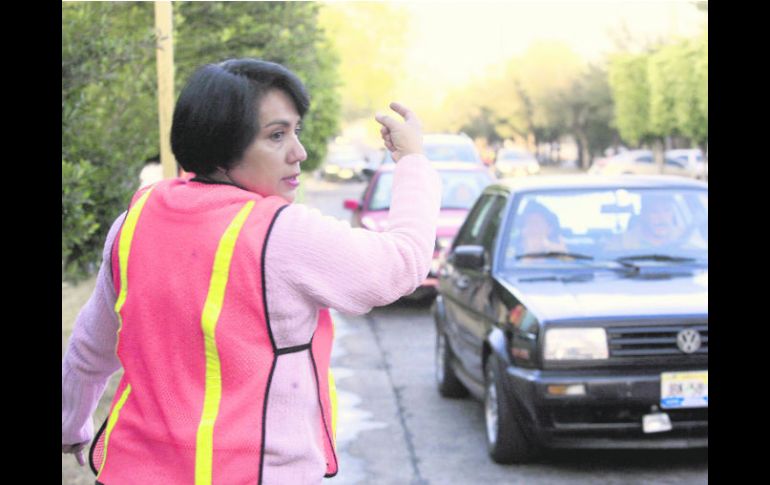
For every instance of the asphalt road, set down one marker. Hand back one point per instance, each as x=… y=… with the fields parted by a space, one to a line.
x=394 y=428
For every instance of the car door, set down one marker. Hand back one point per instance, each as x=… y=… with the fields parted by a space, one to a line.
x=478 y=310
x=468 y=287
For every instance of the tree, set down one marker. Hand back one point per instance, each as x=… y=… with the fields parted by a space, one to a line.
x=627 y=75
x=109 y=95
x=109 y=120
x=588 y=110
x=368 y=63
x=284 y=32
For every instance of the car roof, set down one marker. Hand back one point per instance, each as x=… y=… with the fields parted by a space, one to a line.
x=465 y=166
x=446 y=138
x=585 y=181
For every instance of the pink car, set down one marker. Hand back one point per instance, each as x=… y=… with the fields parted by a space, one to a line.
x=462 y=184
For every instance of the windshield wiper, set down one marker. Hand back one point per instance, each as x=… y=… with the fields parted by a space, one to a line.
x=555 y=254
x=655 y=257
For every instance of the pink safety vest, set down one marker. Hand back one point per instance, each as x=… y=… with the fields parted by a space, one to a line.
x=195 y=340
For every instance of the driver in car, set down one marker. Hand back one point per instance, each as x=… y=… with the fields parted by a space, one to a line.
x=657 y=226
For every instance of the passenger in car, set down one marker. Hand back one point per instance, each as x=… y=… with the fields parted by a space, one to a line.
x=540 y=231
x=655 y=226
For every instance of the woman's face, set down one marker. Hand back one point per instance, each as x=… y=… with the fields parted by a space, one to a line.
x=270 y=165
x=535 y=228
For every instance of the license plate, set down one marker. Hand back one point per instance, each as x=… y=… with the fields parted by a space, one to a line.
x=684 y=390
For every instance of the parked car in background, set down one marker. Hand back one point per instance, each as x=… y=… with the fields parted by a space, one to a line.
x=461 y=185
x=515 y=162
x=642 y=162
x=692 y=160
x=576 y=309
x=447 y=148
x=344 y=163
x=631 y=162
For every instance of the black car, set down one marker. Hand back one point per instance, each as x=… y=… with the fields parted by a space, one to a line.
x=576 y=308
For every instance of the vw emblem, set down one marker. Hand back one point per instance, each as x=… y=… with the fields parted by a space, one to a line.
x=688 y=340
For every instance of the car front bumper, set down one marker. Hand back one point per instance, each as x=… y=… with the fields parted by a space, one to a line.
x=609 y=413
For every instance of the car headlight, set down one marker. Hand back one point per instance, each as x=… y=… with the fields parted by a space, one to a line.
x=331 y=169
x=345 y=173
x=576 y=344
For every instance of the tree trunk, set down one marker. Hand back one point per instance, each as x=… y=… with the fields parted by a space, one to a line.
x=658 y=146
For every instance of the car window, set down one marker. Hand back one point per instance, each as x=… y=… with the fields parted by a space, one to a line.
x=445 y=152
x=460 y=189
x=381 y=193
x=489 y=233
x=470 y=232
x=644 y=159
x=606 y=224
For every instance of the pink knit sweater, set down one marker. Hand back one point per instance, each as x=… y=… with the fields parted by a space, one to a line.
x=312 y=261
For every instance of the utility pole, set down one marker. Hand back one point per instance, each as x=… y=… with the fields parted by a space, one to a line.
x=165 y=64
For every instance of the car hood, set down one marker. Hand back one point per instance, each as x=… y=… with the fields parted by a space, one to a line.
x=608 y=294
x=449 y=220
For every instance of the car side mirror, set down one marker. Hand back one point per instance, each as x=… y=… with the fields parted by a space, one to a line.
x=352 y=204
x=368 y=172
x=468 y=257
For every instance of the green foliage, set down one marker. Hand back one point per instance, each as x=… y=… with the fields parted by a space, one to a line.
x=78 y=220
x=662 y=77
x=631 y=95
x=109 y=120
x=367 y=62
x=663 y=92
x=588 y=112
x=109 y=95
x=284 y=32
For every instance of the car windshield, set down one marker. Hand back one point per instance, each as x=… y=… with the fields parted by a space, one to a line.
x=445 y=152
x=514 y=156
x=617 y=225
x=344 y=159
x=460 y=188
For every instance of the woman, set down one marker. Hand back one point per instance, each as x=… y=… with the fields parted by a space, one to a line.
x=214 y=291
x=539 y=231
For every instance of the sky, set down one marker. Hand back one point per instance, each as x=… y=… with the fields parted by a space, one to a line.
x=454 y=39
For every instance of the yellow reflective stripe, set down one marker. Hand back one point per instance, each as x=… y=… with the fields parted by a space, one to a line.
x=124 y=247
x=333 y=400
x=111 y=424
x=333 y=392
x=204 y=451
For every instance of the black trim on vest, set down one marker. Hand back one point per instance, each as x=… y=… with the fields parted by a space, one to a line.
x=323 y=416
x=93 y=446
x=264 y=421
x=291 y=350
x=272 y=343
x=264 y=285
x=202 y=179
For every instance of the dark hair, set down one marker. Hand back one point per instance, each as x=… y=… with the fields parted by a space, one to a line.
x=217 y=113
x=550 y=218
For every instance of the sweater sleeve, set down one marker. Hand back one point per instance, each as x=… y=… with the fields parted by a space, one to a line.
x=90 y=358
x=326 y=261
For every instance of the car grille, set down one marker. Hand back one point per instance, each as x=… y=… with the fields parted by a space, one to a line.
x=640 y=341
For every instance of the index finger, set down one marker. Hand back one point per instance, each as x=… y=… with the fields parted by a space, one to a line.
x=399 y=108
